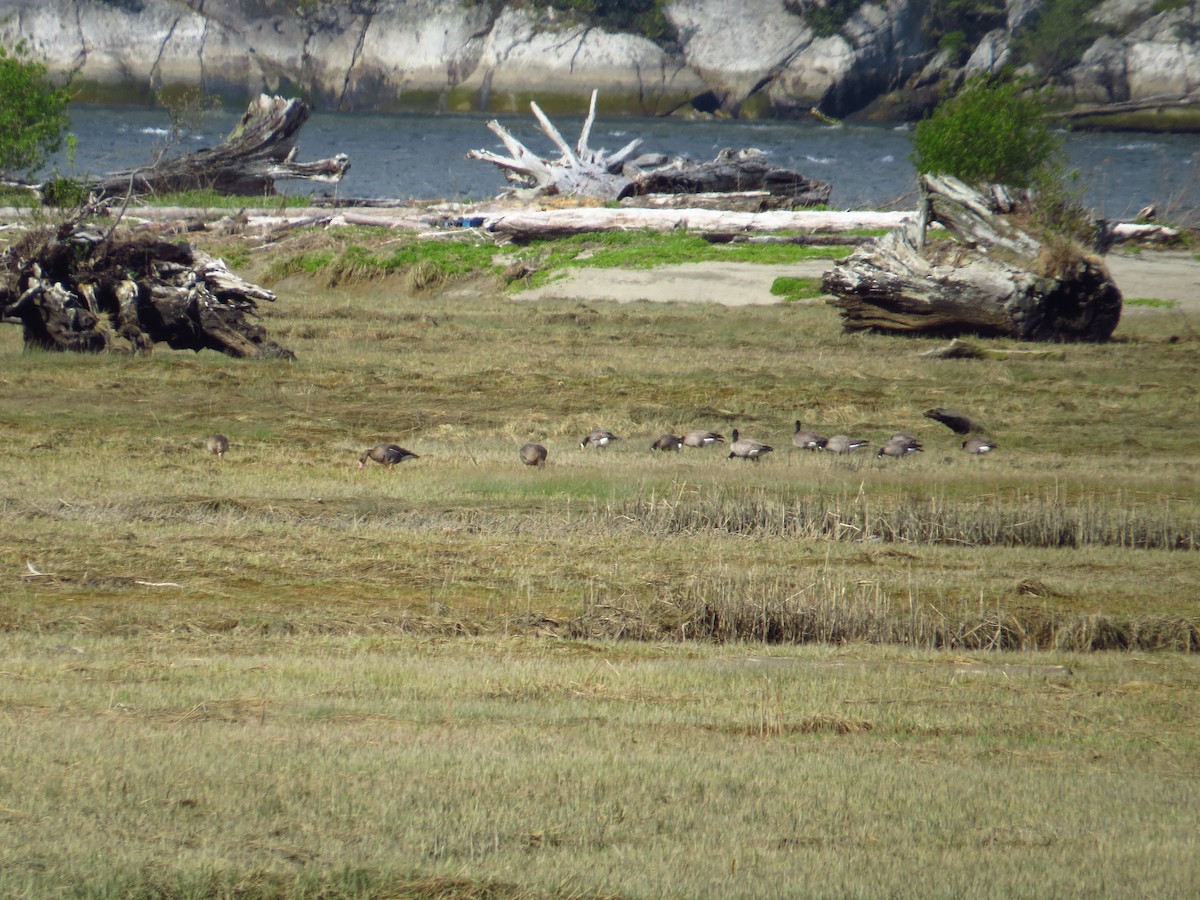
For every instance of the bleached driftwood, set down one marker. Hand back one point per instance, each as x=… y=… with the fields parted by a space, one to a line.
x=260 y=149
x=584 y=172
x=524 y=226
x=993 y=278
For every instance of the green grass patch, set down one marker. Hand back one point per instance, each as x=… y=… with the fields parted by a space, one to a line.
x=213 y=199
x=793 y=289
x=1150 y=302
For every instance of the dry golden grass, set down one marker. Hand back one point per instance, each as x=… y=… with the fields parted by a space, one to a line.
x=278 y=675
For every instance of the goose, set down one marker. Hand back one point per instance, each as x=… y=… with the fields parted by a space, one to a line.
x=598 y=439
x=667 y=442
x=217 y=444
x=979 y=446
x=386 y=455
x=841 y=443
x=744 y=448
x=702 y=439
x=533 y=455
x=900 y=445
x=806 y=439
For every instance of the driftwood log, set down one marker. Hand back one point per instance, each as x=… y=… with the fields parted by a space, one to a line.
x=260 y=149
x=580 y=171
x=87 y=291
x=990 y=277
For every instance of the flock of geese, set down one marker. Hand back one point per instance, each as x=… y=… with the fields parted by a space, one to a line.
x=898 y=445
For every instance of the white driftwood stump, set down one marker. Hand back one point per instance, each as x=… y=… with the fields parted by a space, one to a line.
x=991 y=277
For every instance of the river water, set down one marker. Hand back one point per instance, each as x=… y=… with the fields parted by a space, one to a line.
x=423 y=157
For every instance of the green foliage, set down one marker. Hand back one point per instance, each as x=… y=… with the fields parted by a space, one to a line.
x=1058 y=37
x=33 y=112
x=989 y=132
x=829 y=18
x=207 y=198
x=957 y=25
x=644 y=17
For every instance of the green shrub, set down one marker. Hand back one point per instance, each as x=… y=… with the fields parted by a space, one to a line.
x=33 y=112
x=829 y=18
x=990 y=132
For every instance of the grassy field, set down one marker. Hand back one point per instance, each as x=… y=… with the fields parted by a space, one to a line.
x=627 y=674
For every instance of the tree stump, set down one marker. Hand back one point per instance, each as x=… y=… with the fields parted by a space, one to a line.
x=79 y=290
x=989 y=276
x=260 y=149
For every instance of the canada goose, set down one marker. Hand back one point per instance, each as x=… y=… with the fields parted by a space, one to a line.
x=217 y=444
x=900 y=445
x=598 y=439
x=667 y=442
x=841 y=443
x=979 y=446
x=533 y=455
x=386 y=455
x=702 y=439
x=744 y=448
x=806 y=439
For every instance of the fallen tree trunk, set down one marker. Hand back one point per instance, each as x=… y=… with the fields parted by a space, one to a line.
x=991 y=277
x=260 y=149
x=83 y=291
x=525 y=226
x=580 y=171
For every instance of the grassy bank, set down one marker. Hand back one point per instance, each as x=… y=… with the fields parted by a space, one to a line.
x=281 y=675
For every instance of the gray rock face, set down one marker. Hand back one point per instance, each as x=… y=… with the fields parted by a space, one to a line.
x=742 y=57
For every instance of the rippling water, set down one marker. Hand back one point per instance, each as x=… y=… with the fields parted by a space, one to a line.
x=424 y=157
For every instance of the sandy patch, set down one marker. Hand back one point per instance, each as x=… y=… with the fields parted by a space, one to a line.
x=1162 y=275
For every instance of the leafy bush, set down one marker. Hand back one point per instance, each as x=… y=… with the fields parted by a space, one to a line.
x=33 y=112
x=990 y=132
x=828 y=18
x=957 y=25
x=644 y=17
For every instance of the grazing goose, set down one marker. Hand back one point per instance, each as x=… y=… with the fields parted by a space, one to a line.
x=386 y=455
x=217 y=444
x=533 y=455
x=702 y=439
x=598 y=439
x=841 y=443
x=806 y=439
x=667 y=442
x=979 y=446
x=900 y=445
x=744 y=448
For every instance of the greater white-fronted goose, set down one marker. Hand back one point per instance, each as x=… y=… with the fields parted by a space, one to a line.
x=387 y=455
x=979 y=446
x=217 y=444
x=667 y=442
x=533 y=455
x=900 y=445
x=841 y=443
x=598 y=439
x=702 y=439
x=806 y=439
x=744 y=448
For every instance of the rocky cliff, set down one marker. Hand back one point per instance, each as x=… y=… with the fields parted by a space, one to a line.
x=882 y=59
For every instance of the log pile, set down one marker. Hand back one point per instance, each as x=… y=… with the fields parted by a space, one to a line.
x=79 y=289
x=582 y=172
x=260 y=149
x=990 y=277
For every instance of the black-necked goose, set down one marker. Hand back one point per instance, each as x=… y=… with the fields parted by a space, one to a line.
x=667 y=442
x=533 y=455
x=702 y=439
x=900 y=445
x=386 y=455
x=217 y=444
x=744 y=448
x=806 y=439
x=841 y=443
x=598 y=439
x=979 y=446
